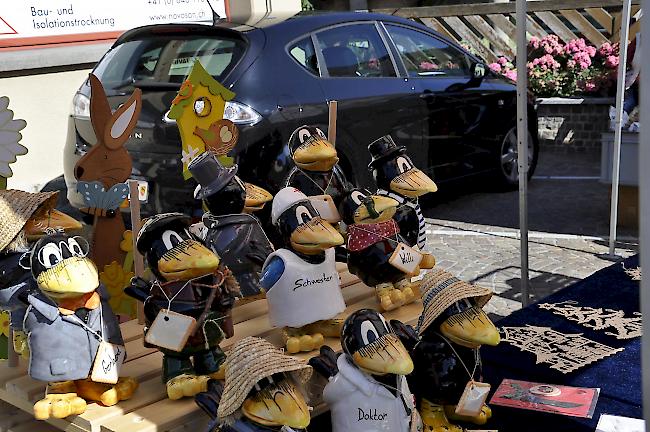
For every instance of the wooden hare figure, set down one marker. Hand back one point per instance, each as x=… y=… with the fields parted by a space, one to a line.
x=108 y=163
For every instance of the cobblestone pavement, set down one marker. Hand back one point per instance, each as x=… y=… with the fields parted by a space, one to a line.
x=473 y=234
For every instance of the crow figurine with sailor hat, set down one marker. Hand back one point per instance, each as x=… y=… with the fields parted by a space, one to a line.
x=301 y=281
x=367 y=388
x=188 y=307
x=446 y=352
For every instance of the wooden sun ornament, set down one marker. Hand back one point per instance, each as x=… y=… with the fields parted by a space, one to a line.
x=10 y=137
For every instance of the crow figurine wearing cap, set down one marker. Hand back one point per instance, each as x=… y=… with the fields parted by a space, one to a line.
x=301 y=281
x=373 y=237
x=191 y=300
x=445 y=349
x=397 y=178
x=263 y=391
x=236 y=237
x=74 y=338
x=367 y=388
x=29 y=217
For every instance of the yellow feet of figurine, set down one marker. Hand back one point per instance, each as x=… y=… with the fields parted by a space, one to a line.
x=411 y=293
x=21 y=347
x=107 y=394
x=328 y=328
x=435 y=420
x=389 y=297
x=480 y=419
x=60 y=401
x=220 y=374
x=428 y=261
x=186 y=386
x=304 y=343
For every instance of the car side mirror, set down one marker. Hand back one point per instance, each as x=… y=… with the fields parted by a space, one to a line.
x=477 y=71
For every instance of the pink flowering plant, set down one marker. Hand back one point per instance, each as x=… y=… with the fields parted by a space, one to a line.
x=571 y=69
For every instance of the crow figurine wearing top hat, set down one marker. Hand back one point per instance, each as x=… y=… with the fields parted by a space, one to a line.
x=373 y=237
x=74 y=338
x=367 y=388
x=301 y=281
x=236 y=237
x=30 y=216
x=263 y=392
x=191 y=299
x=397 y=178
x=445 y=348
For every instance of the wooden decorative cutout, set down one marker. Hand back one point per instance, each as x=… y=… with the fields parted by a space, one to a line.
x=10 y=137
x=598 y=318
x=562 y=352
x=634 y=273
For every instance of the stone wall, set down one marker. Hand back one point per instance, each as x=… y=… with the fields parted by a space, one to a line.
x=573 y=124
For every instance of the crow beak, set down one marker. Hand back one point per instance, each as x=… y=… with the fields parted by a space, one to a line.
x=37 y=225
x=281 y=404
x=470 y=328
x=316 y=155
x=375 y=209
x=386 y=355
x=256 y=197
x=187 y=260
x=71 y=277
x=413 y=183
x=315 y=236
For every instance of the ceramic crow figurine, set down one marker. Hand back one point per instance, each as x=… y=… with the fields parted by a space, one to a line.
x=301 y=281
x=263 y=391
x=187 y=308
x=373 y=238
x=30 y=216
x=397 y=177
x=74 y=338
x=445 y=349
x=367 y=388
x=316 y=172
x=236 y=237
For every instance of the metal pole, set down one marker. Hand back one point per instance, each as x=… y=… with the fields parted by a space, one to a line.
x=522 y=144
x=644 y=211
x=620 y=92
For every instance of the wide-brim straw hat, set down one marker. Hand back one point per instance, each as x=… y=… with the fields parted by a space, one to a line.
x=441 y=289
x=249 y=361
x=16 y=207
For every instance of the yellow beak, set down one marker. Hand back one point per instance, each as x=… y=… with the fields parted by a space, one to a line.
x=256 y=197
x=187 y=260
x=386 y=355
x=384 y=207
x=71 y=277
x=470 y=328
x=42 y=220
x=281 y=404
x=315 y=236
x=316 y=155
x=413 y=183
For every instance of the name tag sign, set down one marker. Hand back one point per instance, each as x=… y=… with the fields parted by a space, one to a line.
x=108 y=362
x=324 y=205
x=405 y=258
x=473 y=398
x=170 y=330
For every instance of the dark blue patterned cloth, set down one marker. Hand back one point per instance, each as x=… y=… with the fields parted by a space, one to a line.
x=618 y=376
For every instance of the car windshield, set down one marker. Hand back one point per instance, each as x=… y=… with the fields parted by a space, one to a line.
x=166 y=61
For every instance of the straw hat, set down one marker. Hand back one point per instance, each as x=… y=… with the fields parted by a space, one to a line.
x=16 y=207
x=441 y=290
x=249 y=361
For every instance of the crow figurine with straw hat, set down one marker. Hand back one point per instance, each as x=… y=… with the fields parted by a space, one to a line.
x=445 y=351
x=187 y=307
x=263 y=391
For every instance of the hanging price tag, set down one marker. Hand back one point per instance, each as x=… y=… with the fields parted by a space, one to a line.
x=324 y=205
x=473 y=398
x=170 y=330
x=107 y=364
x=405 y=258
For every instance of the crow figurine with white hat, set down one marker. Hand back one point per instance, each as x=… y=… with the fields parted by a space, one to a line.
x=301 y=281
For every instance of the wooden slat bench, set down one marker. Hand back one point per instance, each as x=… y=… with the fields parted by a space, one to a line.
x=149 y=409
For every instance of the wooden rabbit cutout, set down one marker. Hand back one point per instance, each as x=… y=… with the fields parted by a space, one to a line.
x=109 y=163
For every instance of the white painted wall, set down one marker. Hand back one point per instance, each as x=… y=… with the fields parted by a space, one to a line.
x=44 y=101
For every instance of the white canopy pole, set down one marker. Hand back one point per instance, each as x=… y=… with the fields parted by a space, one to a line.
x=522 y=143
x=620 y=93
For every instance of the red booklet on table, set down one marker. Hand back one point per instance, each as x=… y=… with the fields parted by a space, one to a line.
x=551 y=398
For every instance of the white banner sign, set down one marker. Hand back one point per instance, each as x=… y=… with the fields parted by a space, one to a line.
x=30 y=22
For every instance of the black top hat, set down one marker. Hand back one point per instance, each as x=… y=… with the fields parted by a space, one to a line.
x=210 y=174
x=152 y=225
x=383 y=148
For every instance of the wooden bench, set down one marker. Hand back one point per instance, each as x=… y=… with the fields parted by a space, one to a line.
x=149 y=409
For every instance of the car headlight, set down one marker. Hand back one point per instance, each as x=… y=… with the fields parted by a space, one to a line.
x=80 y=106
x=239 y=113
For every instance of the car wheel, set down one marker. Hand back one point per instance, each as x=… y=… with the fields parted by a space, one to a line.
x=507 y=172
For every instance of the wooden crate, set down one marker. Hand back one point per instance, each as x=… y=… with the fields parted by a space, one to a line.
x=149 y=409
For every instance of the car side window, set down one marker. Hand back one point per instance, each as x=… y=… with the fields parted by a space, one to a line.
x=355 y=50
x=304 y=53
x=426 y=56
